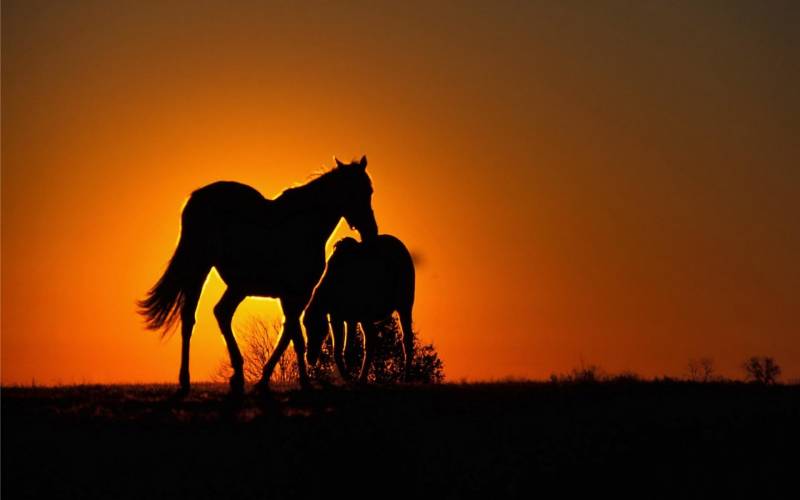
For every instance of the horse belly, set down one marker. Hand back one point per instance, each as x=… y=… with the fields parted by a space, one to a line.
x=366 y=302
x=268 y=274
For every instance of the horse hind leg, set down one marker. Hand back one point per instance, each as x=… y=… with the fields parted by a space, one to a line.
x=292 y=309
x=191 y=296
x=292 y=325
x=224 y=311
x=370 y=341
x=274 y=359
x=408 y=341
x=291 y=331
x=339 y=342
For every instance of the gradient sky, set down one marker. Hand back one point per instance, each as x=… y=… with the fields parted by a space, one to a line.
x=611 y=183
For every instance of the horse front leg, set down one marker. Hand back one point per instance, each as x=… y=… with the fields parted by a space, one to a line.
x=183 y=375
x=337 y=326
x=290 y=331
x=299 y=343
x=192 y=295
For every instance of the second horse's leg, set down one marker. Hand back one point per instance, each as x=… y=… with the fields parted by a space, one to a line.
x=337 y=326
x=293 y=326
x=370 y=338
x=408 y=342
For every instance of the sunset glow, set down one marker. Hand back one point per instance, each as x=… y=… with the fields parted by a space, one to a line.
x=610 y=185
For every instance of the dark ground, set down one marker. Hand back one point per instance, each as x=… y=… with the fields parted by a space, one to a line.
x=652 y=439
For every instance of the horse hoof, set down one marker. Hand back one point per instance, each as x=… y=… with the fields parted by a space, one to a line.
x=181 y=393
x=237 y=388
x=261 y=388
x=233 y=399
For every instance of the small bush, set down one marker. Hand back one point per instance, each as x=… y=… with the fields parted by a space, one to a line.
x=258 y=339
x=585 y=374
x=701 y=370
x=625 y=377
x=387 y=364
x=761 y=370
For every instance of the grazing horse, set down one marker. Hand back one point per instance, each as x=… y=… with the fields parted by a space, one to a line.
x=363 y=283
x=260 y=247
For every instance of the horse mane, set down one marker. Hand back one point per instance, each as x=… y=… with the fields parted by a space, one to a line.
x=316 y=189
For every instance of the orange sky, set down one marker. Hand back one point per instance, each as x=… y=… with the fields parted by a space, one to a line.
x=608 y=183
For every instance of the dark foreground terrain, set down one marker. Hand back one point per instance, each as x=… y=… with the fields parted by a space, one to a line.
x=651 y=439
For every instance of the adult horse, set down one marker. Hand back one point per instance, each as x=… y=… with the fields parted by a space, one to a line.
x=260 y=247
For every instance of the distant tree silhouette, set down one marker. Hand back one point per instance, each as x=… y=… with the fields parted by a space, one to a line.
x=701 y=370
x=762 y=370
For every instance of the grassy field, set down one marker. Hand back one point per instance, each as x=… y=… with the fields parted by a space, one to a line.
x=447 y=441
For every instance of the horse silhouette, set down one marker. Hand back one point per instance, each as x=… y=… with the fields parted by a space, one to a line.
x=260 y=247
x=363 y=283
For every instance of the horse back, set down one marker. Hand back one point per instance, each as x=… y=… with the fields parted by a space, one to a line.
x=375 y=279
x=227 y=198
x=395 y=254
x=225 y=220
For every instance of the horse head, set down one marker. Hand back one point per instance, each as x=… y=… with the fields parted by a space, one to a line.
x=315 y=319
x=355 y=197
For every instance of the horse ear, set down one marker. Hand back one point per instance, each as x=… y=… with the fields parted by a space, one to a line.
x=363 y=162
x=338 y=163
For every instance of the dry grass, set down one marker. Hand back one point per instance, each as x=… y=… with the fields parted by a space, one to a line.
x=450 y=440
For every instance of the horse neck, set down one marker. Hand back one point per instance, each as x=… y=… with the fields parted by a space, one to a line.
x=320 y=217
x=328 y=222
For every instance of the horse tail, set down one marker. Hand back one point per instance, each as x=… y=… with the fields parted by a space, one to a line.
x=162 y=305
x=406 y=275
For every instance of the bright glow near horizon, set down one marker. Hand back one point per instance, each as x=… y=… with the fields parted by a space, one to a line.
x=615 y=183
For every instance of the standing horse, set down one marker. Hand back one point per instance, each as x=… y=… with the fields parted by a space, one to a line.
x=363 y=283
x=260 y=247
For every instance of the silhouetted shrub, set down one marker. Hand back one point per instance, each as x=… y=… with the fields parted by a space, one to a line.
x=761 y=370
x=387 y=364
x=582 y=375
x=427 y=367
x=625 y=377
x=701 y=370
x=592 y=374
x=257 y=341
